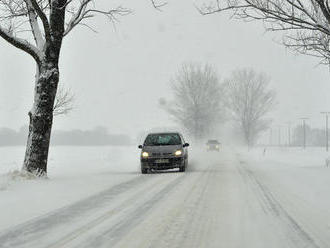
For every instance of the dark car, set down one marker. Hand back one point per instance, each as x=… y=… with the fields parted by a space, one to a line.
x=213 y=145
x=163 y=151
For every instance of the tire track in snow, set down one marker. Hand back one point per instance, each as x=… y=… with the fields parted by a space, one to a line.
x=196 y=236
x=95 y=222
x=31 y=231
x=176 y=226
x=115 y=232
x=295 y=234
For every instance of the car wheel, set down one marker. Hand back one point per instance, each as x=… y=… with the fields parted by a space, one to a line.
x=183 y=167
x=144 y=171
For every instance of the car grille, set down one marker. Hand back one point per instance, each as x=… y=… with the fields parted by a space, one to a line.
x=161 y=154
x=171 y=160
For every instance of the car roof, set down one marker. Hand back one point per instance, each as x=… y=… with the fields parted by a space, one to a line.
x=165 y=133
x=213 y=141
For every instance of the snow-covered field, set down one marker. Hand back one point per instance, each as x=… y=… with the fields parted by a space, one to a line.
x=74 y=173
x=96 y=197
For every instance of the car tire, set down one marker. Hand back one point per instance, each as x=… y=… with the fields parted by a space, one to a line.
x=144 y=171
x=183 y=167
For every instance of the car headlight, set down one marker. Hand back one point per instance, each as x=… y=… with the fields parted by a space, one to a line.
x=178 y=153
x=145 y=154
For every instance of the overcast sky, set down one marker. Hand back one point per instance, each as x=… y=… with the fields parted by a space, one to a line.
x=118 y=74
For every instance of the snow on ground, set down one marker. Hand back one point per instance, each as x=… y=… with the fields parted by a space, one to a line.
x=303 y=171
x=96 y=197
x=74 y=173
x=300 y=180
x=293 y=156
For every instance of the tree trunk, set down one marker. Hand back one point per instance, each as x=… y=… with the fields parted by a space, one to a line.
x=41 y=119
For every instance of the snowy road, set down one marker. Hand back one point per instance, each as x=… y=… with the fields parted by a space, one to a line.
x=223 y=202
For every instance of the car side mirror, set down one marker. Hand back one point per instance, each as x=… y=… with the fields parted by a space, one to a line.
x=185 y=145
x=140 y=146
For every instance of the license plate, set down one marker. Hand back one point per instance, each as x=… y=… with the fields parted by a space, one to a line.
x=162 y=161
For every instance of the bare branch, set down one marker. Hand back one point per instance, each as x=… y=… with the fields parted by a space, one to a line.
x=83 y=12
x=43 y=18
x=306 y=23
x=21 y=44
x=63 y=102
x=158 y=6
x=39 y=40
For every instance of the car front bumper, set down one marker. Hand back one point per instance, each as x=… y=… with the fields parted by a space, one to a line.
x=153 y=163
x=213 y=149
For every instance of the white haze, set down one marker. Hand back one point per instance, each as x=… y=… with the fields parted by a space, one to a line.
x=118 y=74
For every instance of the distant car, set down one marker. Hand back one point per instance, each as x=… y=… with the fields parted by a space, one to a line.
x=163 y=151
x=213 y=145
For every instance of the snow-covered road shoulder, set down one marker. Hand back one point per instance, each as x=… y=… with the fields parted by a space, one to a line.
x=74 y=173
x=300 y=181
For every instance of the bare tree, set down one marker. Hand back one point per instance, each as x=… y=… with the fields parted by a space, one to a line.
x=306 y=24
x=197 y=104
x=38 y=28
x=63 y=102
x=158 y=5
x=249 y=100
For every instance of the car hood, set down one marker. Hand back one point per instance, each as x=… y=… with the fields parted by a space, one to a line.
x=162 y=149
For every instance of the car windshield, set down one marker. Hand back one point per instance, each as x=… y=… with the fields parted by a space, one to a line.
x=213 y=142
x=162 y=139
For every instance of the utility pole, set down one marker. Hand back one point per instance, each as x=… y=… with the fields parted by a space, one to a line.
x=326 y=130
x=279 y=135
x=289 y=133
x=304 y=127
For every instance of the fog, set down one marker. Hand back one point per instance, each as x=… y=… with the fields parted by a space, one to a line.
x=251 y=168
x=118 y=74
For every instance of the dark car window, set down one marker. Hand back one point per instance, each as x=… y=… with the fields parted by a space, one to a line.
x=163 y=139
x=213 y=142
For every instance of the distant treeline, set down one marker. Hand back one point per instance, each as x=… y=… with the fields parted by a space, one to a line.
x=98 y=136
